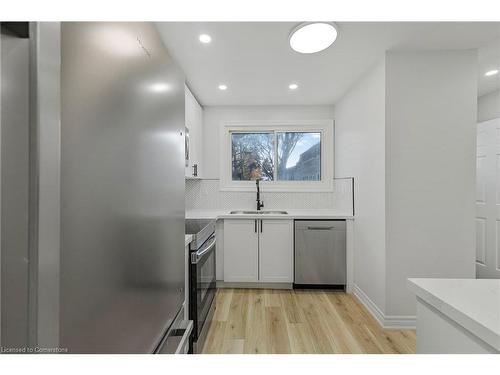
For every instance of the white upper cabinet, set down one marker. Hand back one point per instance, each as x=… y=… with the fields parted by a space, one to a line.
x=194 y=122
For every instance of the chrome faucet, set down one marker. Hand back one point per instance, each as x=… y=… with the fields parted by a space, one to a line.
x=260 y=203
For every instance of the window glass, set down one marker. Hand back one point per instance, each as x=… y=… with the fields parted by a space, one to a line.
x=252 y=156
x=299 y=156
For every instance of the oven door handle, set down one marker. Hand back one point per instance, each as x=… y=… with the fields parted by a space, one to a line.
x=196 y=257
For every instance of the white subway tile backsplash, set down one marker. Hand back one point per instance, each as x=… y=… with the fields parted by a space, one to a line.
x=206 y=194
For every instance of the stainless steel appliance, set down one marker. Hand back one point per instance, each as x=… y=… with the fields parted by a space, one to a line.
x=14 y=169
x=202 y=278
x=122 y=188
x=320 y=253
x=92 y=198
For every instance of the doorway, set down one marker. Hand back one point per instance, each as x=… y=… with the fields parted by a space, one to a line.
x=488 y=200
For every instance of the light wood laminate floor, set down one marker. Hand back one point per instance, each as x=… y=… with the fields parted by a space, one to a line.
x=298 y=321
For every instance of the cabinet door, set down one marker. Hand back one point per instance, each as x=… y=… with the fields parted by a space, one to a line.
x=276 y=251
x=193 y=120
x=240 y=251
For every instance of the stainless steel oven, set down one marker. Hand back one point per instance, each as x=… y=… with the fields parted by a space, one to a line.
x=202 y=279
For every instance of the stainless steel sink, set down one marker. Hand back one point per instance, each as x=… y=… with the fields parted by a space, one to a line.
x=258 y=212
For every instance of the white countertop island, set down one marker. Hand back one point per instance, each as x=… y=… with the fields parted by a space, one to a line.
x=457 y=315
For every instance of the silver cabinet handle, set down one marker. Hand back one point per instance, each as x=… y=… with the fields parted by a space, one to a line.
x=196 y=257
x=320 y=228
x=261 y=226
x=255 y=225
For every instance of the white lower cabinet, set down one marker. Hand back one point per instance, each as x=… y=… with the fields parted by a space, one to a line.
x=258 y=250
x=276 y=251
x=241 y=247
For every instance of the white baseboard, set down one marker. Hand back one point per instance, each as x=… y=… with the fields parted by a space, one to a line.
x=386 y=321
x=257 y=285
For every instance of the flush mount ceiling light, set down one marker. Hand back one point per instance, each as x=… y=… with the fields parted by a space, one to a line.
x=293 y=86
x=222 y=87
x=205 y=38
x=312 y=37
x=160 y=87
x=491 y=72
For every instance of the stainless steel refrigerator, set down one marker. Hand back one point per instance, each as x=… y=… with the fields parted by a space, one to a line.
x=107 y=254
x=122 y=188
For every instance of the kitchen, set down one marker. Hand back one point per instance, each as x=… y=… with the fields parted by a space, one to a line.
x=274 y=187
x=243 y=254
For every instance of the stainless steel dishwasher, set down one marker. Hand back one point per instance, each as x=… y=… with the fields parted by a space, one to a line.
x=320 y=253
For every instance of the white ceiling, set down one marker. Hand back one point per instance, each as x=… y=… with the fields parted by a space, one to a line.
x=255 y=61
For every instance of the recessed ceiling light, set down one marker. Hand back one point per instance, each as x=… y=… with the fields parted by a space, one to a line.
x=222 y=87
x=312 y=37
x=491 y=72
x=160 y=87
x=293 y=86
x=205 y=38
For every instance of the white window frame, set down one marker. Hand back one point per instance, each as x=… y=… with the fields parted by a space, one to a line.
x=325 y=127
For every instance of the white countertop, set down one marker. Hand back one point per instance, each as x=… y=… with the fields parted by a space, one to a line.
x=292 y=214
x=187 y=240
x=472 y=303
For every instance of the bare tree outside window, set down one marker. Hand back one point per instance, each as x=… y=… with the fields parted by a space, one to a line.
x=252 y=156
x=297 y=155
x=286 y=145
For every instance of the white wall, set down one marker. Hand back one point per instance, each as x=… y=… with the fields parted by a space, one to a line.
x=406 y=133
x=488 y=106
x=360 y=153
x=213 y=116
x=205 y=193
x=431 y=101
